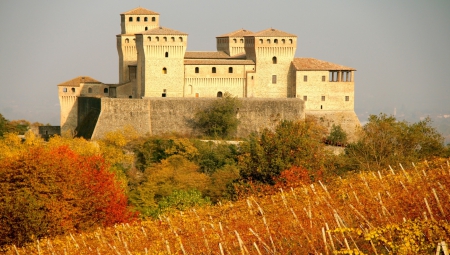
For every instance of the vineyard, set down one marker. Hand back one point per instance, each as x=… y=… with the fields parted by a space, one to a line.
x=402 y=210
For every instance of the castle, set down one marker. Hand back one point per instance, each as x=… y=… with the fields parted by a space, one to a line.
x=159 y=81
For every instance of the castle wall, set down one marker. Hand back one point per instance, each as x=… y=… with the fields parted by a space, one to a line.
x=335 y=93
x=346 y=119
x=164 y=115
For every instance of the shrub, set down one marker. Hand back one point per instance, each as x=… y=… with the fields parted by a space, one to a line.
x=337 y=136
x=220 y=119
x=46 y=192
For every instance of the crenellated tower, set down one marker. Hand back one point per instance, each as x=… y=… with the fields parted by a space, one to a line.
x=272 y=51
x=160 y=62
x=233 y=43
x=132 y=22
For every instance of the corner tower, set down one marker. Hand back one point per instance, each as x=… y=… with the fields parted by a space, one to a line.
x=160 y=62
x=233 y=43
x=132 y=22
x=272 y=51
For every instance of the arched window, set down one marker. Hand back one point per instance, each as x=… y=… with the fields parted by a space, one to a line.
x=241 y=40
x=157 y=38
x=213 y=70
x=164 y=94
x=268 y=40
x=167 y=54
x=219 y=94
x=73 y=89
x=89 y=90
x=165 y=39
x=290 y=41
x=230 y=70
x=197 y=70
x=261 y=41
x=283 y=41
x=173 y=39
x=234 y=40
x=190 y=89
x=149 y=39
x=105 y=90
x=145 y=19
x=127 y=40
x=181 y=39
x=275 y=41
x=146 y=28
x=130 y=19
x=153 y=19
x=138 y=19
x=164 y=71
x=274 y=60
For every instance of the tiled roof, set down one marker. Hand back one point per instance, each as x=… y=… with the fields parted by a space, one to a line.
x=218 y=62
x=237 y=33
x=312 y=64
x=140 y=11
x=206 y=54
x=162 y=31
x=75 y=82
x=272 y=32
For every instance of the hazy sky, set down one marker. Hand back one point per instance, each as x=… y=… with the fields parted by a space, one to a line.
x=401 y=49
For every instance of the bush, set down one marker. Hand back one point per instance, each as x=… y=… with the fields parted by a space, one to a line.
x=293 y=143
x=337 y=136
x=46 y=192
x=385 y=141
x=220 y=119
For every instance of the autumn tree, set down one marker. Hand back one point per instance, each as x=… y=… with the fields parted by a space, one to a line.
x=386 y=141
x=292 y=143
x=219 y=120
x=49 y=191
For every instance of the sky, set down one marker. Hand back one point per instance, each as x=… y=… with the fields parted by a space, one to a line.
x=401 y=48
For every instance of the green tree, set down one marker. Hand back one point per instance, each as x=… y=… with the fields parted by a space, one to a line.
x=337 y=135
x=182 y=200
x=292 y=143
x=385 y=141
x=213 y=156
x=220 y=119
x=3 y=125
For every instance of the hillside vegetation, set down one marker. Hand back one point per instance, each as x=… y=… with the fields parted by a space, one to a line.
x=386 y=212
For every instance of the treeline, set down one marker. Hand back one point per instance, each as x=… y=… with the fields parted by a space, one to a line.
x=16 y=126
x=70 y=184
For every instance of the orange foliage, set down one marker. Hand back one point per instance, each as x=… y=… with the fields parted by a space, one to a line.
x=51 y=191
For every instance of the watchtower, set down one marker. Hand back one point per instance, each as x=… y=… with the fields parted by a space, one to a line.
x=132 y=22
x=160 y=62
x=272 y=51
x=232 y=43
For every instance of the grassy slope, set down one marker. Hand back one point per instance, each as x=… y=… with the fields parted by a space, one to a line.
x=364 y=212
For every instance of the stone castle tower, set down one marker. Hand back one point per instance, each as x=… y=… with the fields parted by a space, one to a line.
x=154 y=63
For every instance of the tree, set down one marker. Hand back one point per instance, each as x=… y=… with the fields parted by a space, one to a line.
x=3 y=125
x=337 y=136
x=385 y=141
x=220 y=119
x=292 y=143
x=49 y=191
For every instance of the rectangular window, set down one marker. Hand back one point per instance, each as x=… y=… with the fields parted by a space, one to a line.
x=347 y=98
x=323 y=78
x=305 y=78
x=64 y=89
x=323 y=98
x=305 y=98
x=274 y=79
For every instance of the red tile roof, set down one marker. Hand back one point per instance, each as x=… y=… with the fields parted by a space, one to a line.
x=140 y=11
x=162 y=31
x=75 y=82
x=218 y=62
x=237 y=33
x=272 y=32
x=312 y=64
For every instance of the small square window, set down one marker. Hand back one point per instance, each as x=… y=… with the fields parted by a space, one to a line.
x=274 y=79
x=305 y=98
x=323 y=77
x=323 y=98
x=347 y=98
x=64 y=89
x=305 y=78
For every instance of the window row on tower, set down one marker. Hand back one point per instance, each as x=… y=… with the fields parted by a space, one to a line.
x=275 y=41
x=322 y=98
x=138 y=19
x=213 y=69
x=163 y=39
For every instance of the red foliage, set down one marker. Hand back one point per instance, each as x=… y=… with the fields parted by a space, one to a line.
x=295 y=177
x=51 y=191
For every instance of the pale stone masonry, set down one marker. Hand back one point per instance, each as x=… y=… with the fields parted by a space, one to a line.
x=154 y=63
